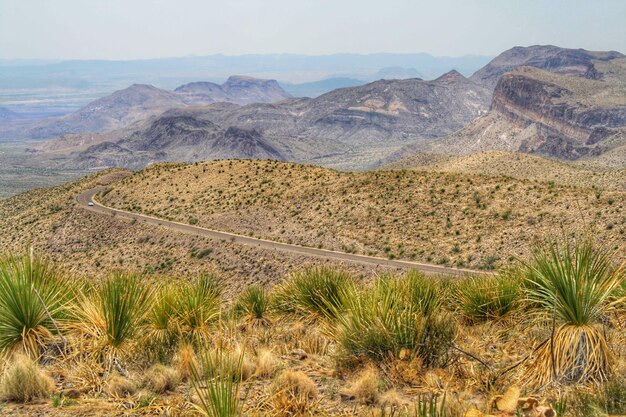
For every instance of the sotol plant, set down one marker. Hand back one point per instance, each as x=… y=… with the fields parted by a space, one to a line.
x=573 y=285
x=24 y=323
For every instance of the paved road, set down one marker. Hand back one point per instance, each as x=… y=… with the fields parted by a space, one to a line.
x=88 y=197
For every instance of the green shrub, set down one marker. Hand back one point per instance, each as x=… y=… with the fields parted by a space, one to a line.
x=114 y=312
x=24 y=324
x=384 y=319
x=483 y=298
x=253 y=303
x=197 y=306
x=314 y=292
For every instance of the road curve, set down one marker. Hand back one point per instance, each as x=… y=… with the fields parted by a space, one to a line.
x=88 y=196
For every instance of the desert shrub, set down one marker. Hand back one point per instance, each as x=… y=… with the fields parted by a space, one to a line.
x=314 y=292
x=23 y=381
x=217 y=382
x=24 y=324
x=572 y=284
x=485 y=298
x=382 y=320
x=197 y=306
x=114 y=312
x=253 y=303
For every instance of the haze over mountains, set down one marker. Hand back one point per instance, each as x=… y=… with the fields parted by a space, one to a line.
x=553 y=102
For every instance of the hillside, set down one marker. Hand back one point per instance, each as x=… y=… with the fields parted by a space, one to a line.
x=517 y=165
x=452 y=219
x=578 y=62
x=348 y=128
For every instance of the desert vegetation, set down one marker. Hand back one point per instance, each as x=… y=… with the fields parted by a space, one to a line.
x=542 y=338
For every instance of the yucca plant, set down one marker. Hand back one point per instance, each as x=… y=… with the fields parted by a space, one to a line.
x=487 y=298
x=24 y=323
x=114 y=312
x=429 y=406
x=573 y=285
x=217 y=381
x=314 y=292
x=197 y=306
x=253 y=303
x=163 y=329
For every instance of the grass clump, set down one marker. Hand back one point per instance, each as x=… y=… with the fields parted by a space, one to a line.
x=23 y=381
x=254 y=303
x=572 y=285
x=381 y=321
x=217 y=382
x=482 y=299
x=24 y=323
x=160 y=378
x=314 y=292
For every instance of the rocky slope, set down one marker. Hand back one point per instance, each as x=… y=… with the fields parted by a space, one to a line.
x=346 y=128
x=577 y=62
x=550 y=114
x=237 y=89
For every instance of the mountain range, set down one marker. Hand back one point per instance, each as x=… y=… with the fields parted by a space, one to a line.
x=346 y=128
x=563 y=103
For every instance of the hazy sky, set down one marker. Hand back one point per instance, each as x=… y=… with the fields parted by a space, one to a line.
x=126 y=29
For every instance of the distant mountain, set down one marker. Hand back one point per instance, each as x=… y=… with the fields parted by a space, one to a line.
x=551 y=114
x=6 y=114
x=346 y=128
x=395 y=73
x=140 y=102
x=577 y=62
x=118 y=110
x=317 y=88
x=237 y=89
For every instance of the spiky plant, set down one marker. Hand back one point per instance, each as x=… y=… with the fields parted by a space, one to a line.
x=314 y=292
x=113 y=313
x=197 y=306
x=217 y=381
x=572 y=285
x=487 y=298
x=253 y=303
x=423 y=292
x=382 y=321
x=24 y=323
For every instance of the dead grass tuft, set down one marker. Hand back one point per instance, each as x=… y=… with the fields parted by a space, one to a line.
x=23 y=381
x=161 y=378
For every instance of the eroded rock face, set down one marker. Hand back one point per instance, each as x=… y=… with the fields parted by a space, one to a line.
x=565 y=126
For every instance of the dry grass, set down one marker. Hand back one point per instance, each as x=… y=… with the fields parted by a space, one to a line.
x=119 y=386
x=24 y=381
x=365 y=388
x=160 y=378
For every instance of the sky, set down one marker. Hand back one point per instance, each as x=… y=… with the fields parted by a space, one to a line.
x=139 y=29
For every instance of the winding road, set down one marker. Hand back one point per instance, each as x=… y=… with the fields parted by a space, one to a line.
x=84 y=199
